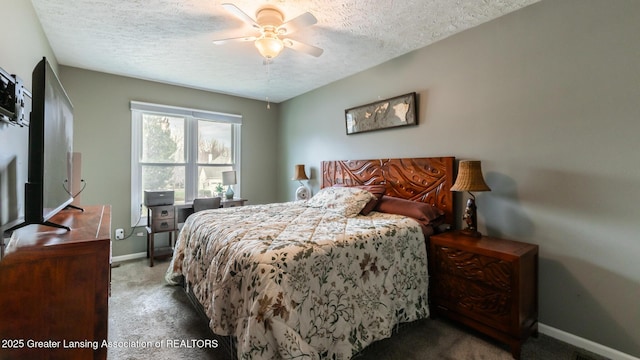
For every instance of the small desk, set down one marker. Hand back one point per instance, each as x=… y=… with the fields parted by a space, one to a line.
x=183 y=210
x=169 y=218
x=227 y=203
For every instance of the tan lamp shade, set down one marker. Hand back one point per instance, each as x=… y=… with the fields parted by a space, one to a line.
x=299 y=173
x=470 y=177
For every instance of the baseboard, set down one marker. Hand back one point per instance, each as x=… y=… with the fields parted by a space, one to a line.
x=127 y=257
x=584 y=343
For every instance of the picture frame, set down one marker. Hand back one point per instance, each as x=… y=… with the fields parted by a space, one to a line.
x=383 y=114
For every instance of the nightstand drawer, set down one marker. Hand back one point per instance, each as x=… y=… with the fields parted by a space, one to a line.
x=474 y=300
x=159 y=225
x=492 y=272
x=162 y=212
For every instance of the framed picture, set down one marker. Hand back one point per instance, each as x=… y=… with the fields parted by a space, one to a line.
x=383 y=114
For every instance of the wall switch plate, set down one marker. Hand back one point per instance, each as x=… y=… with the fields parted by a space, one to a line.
x=119 y=234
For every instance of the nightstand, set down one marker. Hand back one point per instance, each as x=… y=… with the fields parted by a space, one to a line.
x=160 y=219
x=486 y=283
x=227 y=203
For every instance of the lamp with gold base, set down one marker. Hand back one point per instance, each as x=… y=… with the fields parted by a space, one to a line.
x=470 y=179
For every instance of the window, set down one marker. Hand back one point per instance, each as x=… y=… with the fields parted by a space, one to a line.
x=180 y=149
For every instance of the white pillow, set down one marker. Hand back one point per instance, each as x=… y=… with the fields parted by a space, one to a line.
x=348 y=201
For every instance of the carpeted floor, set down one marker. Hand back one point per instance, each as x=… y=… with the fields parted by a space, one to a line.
x=149 y=319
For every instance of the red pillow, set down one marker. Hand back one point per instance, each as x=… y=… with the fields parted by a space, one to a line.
x=426 y=214
x=377 y=191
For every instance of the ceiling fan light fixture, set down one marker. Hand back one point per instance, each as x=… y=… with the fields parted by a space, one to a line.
x=269 y=45
x=274 y=31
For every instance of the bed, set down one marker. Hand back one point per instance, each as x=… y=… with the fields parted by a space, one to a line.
x=321 y=278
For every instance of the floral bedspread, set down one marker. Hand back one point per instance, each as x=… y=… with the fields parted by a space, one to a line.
x=292 y=281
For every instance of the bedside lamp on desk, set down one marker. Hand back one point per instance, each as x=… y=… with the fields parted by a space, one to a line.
x=470 y=179
x=229 y=178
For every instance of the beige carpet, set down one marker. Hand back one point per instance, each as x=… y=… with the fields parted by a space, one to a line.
x=149 y=319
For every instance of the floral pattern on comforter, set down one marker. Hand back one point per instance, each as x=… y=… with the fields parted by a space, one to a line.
x=291 y=281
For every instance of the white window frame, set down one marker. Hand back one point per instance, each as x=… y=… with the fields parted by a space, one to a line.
x=191 y=154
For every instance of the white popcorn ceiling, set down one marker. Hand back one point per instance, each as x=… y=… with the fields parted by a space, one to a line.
x=170 y=41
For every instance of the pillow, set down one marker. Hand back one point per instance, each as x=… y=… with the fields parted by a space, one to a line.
x=377 y=191
x=348 y=201
x=426 y=214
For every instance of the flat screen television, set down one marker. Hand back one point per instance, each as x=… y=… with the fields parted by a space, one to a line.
x=48 y=187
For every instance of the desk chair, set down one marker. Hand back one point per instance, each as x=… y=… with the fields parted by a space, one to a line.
x=200 y=204
x=206 y=203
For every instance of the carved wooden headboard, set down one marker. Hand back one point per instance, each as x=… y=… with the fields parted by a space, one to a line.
x=426 y=180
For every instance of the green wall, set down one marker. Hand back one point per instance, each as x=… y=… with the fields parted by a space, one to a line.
x=548 y=98
x=102 y=133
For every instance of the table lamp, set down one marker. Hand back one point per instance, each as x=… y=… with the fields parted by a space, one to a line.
x=302 y=193
x=229 y=178
x=470 y=179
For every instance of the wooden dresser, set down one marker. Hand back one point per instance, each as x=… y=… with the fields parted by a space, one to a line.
x=487 y=283
x=54 y=288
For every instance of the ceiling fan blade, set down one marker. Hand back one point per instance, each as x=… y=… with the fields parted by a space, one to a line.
x=240 y=14
x=297 y=23
x=241 y=38
x=302 y=47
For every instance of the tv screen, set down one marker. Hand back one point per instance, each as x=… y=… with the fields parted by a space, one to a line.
x=48 y=187
x=57 y=151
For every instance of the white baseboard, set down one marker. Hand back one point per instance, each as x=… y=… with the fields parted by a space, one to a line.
x=584 y=343
x=121 y=258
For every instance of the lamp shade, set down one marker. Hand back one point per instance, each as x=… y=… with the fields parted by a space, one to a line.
x=228 y=178
x=470 y=177
x=299 y=173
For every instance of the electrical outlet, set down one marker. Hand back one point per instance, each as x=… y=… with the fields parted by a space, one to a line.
x=119 y=234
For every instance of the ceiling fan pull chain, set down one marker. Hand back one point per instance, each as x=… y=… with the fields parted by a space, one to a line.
x=268 y=61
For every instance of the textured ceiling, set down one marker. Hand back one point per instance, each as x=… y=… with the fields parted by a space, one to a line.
x=170 y=41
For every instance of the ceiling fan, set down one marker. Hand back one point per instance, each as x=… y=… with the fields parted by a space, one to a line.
x=273 y=31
